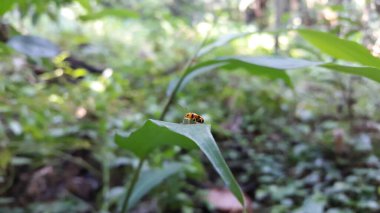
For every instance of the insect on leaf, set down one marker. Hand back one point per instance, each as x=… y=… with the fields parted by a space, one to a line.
x=154 y=134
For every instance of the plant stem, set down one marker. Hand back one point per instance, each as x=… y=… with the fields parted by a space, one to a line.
x=176 y=88
x=184 y=74
x=162 y=117
x=106 y=185
x=130 y=188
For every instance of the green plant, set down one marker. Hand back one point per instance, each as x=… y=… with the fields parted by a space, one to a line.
x=271 y=67
x=346 y=50
x=39 y=125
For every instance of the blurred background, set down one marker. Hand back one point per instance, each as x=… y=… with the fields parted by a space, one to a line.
x=73 y=72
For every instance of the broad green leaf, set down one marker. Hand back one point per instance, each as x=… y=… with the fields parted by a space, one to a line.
x=151 y=179
x=6 y=5
x=5 y=158
x=271 y=67
x=34 y=46
x=368 y=72
x=249 y=64
x=41 y=6
x=4 y=49
x=148 y=180
x=340 y=48
x=154 y=134
x=85 y=4
x=116 y=13
x=315 y=203
x=151 y=136
x=220 y=42
x=279 y=63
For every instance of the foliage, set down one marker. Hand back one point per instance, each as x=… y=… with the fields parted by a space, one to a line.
x=344 y=50
x=159 y=133
x=80 y=78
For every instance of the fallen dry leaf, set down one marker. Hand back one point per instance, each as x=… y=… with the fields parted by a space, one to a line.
x=224 y=201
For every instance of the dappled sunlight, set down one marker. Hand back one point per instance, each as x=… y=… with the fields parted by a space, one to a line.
x=261 y=41
x=107 y=73
x=56 y=99
x=204 y=28
x=68 y=13
x=97 y=86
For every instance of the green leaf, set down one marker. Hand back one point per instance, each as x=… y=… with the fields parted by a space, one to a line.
x=279 y=63
x=6 y=5
x=85 y=4
x=315 y=203
x=271 y=67
x=116 y=13
x=155 y=134
x=4 y=49
x=151 y=179
x=367 y=72
x=5 y=158
x=221 y=42
x=340 y=48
